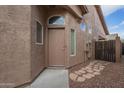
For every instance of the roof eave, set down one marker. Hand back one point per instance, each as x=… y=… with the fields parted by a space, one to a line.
x=100 y=13
x=83 y=9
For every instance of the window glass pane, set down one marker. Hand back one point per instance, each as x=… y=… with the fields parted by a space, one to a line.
x=57 y=20
x=83 y=26
x=39 y=33
x=73 y=42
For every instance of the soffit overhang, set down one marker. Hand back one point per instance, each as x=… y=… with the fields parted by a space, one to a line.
x=83 y=9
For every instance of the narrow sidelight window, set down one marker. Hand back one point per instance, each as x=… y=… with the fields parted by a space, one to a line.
x=73 y=42
x=39 y=33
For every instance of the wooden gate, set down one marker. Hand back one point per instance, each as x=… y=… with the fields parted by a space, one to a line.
x=122 y=48
x=108 y=50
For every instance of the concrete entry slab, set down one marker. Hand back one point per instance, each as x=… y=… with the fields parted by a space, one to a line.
x=51 y=78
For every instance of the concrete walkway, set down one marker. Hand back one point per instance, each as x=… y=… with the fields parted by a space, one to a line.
x=51 y=78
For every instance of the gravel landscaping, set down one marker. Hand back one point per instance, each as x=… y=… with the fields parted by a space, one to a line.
x=97 y=74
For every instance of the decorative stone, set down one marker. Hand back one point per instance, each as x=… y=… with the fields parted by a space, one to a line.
x=95 y=67
x=90 y=71
x=83 y=68
x=88 y=68
x=73 y=76
x=87 y=76
x=77 y=72
x=82 y=71
x=96 y=70
x=81 y=79
x=91 y=75
x=90 y=65
x=98 y=63
x=96 y=73
x=102 y=66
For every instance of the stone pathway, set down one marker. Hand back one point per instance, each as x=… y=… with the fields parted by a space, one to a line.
x=103 y=74
x=92 y=70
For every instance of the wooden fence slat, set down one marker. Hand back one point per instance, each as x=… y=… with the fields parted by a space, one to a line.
x=105 y=50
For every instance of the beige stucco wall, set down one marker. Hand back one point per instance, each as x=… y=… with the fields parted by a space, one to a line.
x=92 y=17
x=14 y=45
x=85 y=39
x=80 y=35
x=37 y=50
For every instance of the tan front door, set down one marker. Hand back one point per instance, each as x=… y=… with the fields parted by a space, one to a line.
x=56 y=47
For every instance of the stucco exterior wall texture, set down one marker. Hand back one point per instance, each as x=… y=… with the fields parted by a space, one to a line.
x=80 y=35
x=37 y=50
x=14 y=45
x=92 y=16
x=84 y=37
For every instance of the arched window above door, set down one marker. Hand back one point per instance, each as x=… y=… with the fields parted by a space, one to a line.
x=56 y=20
